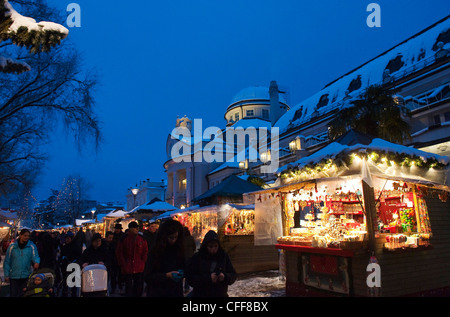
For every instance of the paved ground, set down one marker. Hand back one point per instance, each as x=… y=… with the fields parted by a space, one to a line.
x=260 y=284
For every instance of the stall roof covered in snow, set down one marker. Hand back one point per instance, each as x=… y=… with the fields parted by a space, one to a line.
x=155 y=206
x=377 y=157
x=411 y=55
x=117 y=214
x=354 y=142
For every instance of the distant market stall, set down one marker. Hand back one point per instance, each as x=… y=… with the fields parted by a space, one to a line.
x=114 y=217
x=235 y=226
x=223 y=209
x=151 y=209
x=360 y=200
x=8 y=224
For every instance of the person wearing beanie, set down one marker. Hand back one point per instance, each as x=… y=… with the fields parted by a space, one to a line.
x=210 y=270
x=95 y=253
x=40 y=287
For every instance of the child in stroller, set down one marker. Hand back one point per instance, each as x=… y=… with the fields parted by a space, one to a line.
x=40 y=283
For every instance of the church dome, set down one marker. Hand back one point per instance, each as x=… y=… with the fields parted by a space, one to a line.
x=253 y=94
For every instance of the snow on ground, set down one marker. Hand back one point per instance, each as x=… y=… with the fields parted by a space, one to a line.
x=261 y=284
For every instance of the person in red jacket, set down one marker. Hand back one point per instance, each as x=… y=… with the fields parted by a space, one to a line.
x=131 y=253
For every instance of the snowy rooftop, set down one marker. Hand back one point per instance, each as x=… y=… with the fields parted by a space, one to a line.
x=413 y=54
x=157 y=206
x=334 y=149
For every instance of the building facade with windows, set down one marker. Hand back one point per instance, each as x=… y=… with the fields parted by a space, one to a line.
x=252 y=107
x=144 y=192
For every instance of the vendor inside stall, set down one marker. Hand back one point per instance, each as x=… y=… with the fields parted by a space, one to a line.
x=325 y=213
x=330 y=213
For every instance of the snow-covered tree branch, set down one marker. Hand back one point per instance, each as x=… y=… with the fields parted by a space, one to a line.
x=26 y=32
x=51 y=87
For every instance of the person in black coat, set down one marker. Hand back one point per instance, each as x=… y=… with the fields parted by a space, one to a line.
x=210 y=270
x=70 y=252
x=165 y=266
x=95 y=254
x=47 y=251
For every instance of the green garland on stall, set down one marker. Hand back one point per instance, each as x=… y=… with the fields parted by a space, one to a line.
x=376 y=156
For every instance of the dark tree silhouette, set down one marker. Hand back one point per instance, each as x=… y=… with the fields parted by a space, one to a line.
x=376 y=112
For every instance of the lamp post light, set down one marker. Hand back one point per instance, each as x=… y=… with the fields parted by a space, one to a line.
x=93 y=212
x=134 y=191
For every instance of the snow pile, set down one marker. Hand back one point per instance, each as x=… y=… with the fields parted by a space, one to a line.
x=30 y=23
x=264 y=284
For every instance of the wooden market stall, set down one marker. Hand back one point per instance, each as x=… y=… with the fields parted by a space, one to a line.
x=94 y=225
x=8 y=224
x=350 y=205
x=152 y=209
x=113 y=218
x=235 y=225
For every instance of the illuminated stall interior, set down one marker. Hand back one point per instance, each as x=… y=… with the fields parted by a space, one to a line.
x=324 y=203
x=324 y=213
x=331 y=213
x=231 y=219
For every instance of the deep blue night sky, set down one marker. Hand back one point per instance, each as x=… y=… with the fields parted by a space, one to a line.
x=160 y=59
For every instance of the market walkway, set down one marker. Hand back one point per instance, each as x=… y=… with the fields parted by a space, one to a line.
x=260 y=284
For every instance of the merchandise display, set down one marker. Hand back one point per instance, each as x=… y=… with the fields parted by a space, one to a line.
x=331 y=214
x=198 y=223
x=240 y=222
x=236 y=220
x=403 y=214
x=328 y=214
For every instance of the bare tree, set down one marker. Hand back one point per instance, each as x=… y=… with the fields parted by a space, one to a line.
x=54 y=89
x=72 y=198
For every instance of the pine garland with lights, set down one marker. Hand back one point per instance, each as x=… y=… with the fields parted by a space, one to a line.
x=375 y=156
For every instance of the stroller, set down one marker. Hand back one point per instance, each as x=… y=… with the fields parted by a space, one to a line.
x=43 y=289
x=94 y=281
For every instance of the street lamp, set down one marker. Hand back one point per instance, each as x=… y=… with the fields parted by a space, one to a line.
x=93 y=212
x=134 y=191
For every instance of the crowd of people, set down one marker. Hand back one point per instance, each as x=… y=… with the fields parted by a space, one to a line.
x=160 y=261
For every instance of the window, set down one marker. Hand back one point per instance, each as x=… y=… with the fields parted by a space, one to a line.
x=236 y=116
x=249 y=113
x=265 y=113
x=447 y=116
x=437 y=119
x=434 y=120
x=182 y=184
